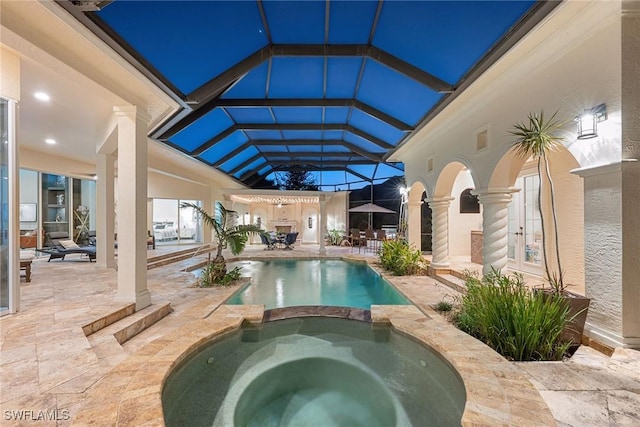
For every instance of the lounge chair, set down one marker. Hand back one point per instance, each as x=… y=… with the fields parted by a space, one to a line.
x=268 y=242
x=60 y=246
x=289 y=240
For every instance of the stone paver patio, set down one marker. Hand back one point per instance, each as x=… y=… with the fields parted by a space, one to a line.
x=49 y=367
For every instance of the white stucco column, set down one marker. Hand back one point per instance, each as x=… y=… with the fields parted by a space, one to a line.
x=323 y=224
x=495 y=227
x=613 y=300
x=440 y=231
x=611 y=220
x=132 y=206
x=414 y=224
x=630 y=173
x=105 y=213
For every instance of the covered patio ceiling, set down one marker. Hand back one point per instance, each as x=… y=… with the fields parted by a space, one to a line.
x=333 y=87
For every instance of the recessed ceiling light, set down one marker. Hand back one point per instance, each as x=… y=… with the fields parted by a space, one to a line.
x=50 y=141
x=42 y=96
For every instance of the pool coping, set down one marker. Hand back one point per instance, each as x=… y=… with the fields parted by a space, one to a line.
x=497 y=392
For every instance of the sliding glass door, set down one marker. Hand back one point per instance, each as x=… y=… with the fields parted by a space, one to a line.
x=9 y=261
x=4 y=207
x=173 y=225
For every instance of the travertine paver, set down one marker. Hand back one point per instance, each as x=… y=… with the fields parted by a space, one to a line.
x=47 y=364
x=590 y=389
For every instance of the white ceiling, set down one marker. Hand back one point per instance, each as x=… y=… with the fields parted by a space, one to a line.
x=76 y=117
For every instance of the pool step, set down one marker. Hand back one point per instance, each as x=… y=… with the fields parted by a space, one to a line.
x=108 y=319
x=194 y=254
x=454 y=282
x=458 y=274
x=130 y=326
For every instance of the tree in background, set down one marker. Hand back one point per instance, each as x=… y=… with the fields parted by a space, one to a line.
x=298 y=178
x=264 y=184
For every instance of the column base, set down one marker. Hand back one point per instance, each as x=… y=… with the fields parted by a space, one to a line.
x=107 y=264
x=609 y=338
x=141 y=299
x=322 y=251
x=440 y=265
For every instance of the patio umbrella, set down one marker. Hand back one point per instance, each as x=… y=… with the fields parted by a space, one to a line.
x=371 y=208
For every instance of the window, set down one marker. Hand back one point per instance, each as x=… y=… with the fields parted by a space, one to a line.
x=469 y=202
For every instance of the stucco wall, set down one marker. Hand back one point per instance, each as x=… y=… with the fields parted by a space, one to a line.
x=336 y=209
x=168 y=187
x=603 y=240
x=310 y=234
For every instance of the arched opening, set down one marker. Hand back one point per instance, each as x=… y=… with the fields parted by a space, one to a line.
x=464 y=215
x=525 y=245
x=420 y=216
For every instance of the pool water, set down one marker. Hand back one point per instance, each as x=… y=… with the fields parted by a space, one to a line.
x=285 y=283
x=314 y=371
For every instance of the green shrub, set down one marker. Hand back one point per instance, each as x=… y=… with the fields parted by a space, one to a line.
x=209 y=273
x=397 y=257
x=443 y=306
x=518 y=323
x=336 y=237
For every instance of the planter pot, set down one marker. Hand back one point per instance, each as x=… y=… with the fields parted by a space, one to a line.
x=578 y=307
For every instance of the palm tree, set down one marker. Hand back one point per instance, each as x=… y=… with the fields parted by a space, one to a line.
x=228 y=233
x=537 y=139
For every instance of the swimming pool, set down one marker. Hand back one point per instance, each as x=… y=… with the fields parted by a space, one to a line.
x=286 y=282
x=314 y=372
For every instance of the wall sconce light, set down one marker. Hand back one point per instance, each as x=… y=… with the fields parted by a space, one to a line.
x=310 y=220
x=588 y=121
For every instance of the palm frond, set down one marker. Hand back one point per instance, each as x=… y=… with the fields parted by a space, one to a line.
x=538 y=136
x=225 y=227
x=208 y=219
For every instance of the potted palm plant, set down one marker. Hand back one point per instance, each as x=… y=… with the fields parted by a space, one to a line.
x=228 y=234
x=537 y=139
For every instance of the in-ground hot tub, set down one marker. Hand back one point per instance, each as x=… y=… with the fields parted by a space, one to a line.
x=314 y=371
x=316 y=391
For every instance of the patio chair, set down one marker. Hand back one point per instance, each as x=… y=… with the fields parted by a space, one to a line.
x=289 y=240
x=268 y=242
x=370 y=236
x=356 y=240
x=380 y=236
x=60 y=246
